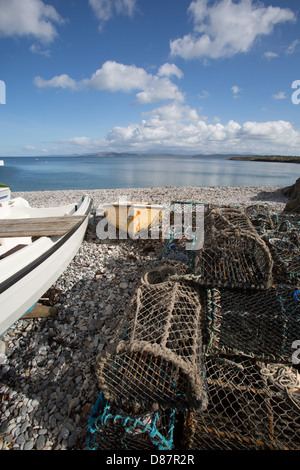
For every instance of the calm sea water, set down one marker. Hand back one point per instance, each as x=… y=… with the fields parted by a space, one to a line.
x=56 y=173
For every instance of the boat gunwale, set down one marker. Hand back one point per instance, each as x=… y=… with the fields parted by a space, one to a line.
x=60 y=241
x=135 y=205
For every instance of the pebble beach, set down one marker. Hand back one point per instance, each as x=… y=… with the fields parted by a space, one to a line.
x=47 y=365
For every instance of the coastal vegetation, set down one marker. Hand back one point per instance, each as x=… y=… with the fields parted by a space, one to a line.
x=267 y=158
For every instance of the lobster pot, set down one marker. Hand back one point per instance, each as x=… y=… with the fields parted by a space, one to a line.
x=261 y=218
x=257 y=324
x=266 y=222
x=223 y=218
x=251 y=406
x=114 y=427
x=233 y=259
x=286 y=259
x=233 y=254
x=281 y=232
x=159 y=359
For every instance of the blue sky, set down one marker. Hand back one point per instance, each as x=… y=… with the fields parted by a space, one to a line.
x=182 y=76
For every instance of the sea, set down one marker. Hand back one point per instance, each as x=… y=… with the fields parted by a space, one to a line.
x=141 y=171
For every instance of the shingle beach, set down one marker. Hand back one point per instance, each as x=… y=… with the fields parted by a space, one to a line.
x=47 y=365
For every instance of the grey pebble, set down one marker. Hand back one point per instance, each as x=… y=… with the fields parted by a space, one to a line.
x=40 y=443
x=20 y=439
x=72 y=440
x=4 y=426
x=65 y=433
x=29 y=444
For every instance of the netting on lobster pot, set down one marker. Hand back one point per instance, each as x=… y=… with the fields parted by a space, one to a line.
x=286 y=259
x=262 y=218
x=281 y=232
x=159 y=359
x=251 y=406
x=260 y=324
x=233 y=254
x=112 y=427
x=272 y=223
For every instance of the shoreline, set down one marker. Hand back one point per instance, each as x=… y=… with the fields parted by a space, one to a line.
x=235 y=195
x=47 y=383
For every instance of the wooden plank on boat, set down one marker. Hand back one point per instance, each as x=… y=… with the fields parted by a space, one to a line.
x=41 y=311
x=38 y=227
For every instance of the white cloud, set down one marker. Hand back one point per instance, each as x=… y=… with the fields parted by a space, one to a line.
x=113 y=77
x=29 y=147
x=280 y=95
x=106 y=9
x=292 y=47
x=271 y=55
x=227 y=27
x=159 y=89
x=179 y=127
x=37 y=49
x=168 y=70
x=29 y=18
x=205 y=94
x=59 y=81
x=117 y=77
x=79 y=141
x=236 y=90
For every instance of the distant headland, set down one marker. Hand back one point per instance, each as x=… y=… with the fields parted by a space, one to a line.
x=267 y=158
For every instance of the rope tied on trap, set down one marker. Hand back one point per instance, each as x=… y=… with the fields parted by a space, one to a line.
x=159 y=359
x=113 y=427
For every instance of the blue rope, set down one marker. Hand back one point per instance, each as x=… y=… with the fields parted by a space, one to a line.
x=295 y=295
x=129 y=424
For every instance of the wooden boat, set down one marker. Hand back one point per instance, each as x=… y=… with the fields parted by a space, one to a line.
x=133 y=217
x=36 y=246
x=4 y=194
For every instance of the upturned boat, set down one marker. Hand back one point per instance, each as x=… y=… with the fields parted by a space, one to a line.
x=133 y=217
x=36 y=246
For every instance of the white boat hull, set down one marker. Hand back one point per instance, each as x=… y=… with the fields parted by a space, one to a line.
x=4 y=195
x=28 y=273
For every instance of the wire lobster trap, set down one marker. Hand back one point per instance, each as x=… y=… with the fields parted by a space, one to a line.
x=112 y=426
x=160 y=357
x=286 y=259
x=267 y=222
x=281 y=232
x=262 y=218
x=251 y=406
x=233 y=254
x=259 y=324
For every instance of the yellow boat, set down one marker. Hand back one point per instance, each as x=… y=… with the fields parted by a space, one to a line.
x=132 y=217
